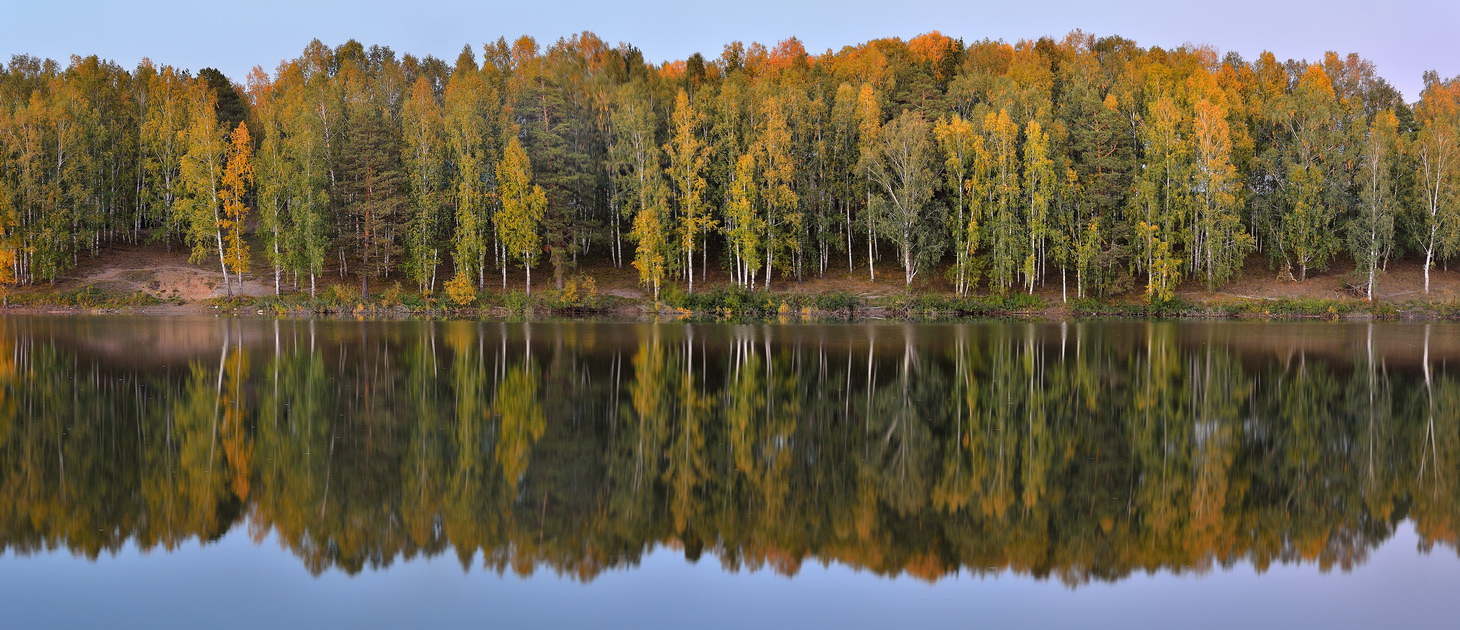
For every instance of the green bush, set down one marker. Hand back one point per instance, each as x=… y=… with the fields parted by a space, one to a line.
x=89 y=296
x=1297 y=307
x=965 y=306
x=417 y=302
x=732 y=301
x=836 y=302
x=999 y=304
x=517 y=303
x=278 y=304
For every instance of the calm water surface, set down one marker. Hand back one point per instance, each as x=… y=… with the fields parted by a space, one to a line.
x=248 y=473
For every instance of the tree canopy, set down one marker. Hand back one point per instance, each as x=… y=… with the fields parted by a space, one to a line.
x=1085 y=161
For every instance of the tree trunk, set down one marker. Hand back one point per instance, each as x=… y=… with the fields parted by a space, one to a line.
x=1429 y=261
x=871 y=271
x=768 y=265
x=223 y=264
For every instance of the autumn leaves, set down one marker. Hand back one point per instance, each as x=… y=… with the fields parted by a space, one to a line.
x=1089 y=163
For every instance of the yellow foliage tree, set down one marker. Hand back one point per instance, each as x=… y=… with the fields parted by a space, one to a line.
x=651 y=232
x=519 y=221
x=8 y=220
x=460 y=290
x=688 y=160
x=237 y=177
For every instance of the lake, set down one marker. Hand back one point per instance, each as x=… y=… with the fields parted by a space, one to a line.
x=227 y=472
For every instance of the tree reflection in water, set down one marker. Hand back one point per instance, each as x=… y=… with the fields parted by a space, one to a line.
x=1082 y=451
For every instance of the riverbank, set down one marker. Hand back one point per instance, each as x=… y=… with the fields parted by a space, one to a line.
x=726 y=303
x=150 y=280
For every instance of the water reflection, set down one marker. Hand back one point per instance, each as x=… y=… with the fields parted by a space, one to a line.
x=1082 y=451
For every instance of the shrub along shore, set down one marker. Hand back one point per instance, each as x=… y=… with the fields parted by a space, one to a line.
x=726 y=302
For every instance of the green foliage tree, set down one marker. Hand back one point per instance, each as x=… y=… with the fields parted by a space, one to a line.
x=271 y=193
x=202 y=172
x=903 y=171
x=1371 y=231
x=1162 y=199
x=1310 y=115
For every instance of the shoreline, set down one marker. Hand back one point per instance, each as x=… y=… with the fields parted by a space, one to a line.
x=791 y=308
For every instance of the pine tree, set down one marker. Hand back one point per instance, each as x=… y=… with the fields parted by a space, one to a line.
x=370 y=191
x=1098 y=150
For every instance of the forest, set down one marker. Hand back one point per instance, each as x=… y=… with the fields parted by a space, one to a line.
x=1093 y=165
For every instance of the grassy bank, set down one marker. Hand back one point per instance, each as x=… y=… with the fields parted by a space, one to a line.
x=581 y=299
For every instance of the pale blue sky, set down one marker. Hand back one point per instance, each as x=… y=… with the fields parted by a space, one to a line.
x=1403 y=38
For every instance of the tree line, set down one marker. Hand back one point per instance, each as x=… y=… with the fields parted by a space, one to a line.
x=1089 y=163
